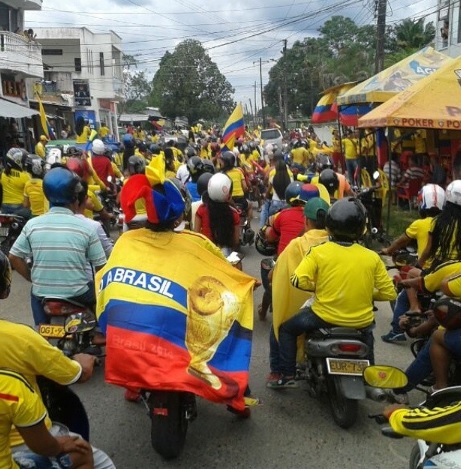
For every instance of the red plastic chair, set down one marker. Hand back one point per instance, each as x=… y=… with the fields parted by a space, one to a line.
x=410 y=192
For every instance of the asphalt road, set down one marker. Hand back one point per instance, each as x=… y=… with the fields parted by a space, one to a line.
x=289 y=430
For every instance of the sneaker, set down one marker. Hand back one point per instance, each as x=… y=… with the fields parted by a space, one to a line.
x=282 y=383
x=392 y=337
x=398 y=398
x=272 y=377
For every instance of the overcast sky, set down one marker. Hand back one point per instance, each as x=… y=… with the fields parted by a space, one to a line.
x=235 y=33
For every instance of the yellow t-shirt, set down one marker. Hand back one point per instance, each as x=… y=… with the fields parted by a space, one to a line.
x=104 y=131
x=433 y=280
x=13 y=186
x=419 y=230
x=346 y=280
x=84 y=136
x=300 y=156
x=20 y=406
x=350 y=148
x=27 y=353
x=33 y=190
x=97 y=205
x=237 y=177
x=40 y=150
x=454 y=285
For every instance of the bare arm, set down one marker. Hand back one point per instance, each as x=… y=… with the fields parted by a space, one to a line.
x=20 y=265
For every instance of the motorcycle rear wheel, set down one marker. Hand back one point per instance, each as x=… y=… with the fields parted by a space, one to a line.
x=344 y=410
x=168 y=431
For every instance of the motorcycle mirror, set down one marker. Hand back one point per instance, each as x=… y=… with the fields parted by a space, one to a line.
x=376 y=175
x=385 y=377
x=80 y=322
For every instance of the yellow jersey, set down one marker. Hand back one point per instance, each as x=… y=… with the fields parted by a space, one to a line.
x=40 y=150
x=237 y=177
x=419 y=230
x=13 y=186
x=84 y=136
x=33 y=190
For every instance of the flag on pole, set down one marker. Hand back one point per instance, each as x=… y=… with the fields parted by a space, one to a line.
x=43 y=119
x=234 y=128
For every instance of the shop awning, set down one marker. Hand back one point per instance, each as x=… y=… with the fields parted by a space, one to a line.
x=16 y=111
x=432 y=103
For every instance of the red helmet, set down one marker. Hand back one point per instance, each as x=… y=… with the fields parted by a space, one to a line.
x=79 y=167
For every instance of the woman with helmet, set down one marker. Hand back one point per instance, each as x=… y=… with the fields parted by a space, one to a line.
x=346 y=278
x=13 y=180
x=129 y=148
x=239 y=185
x=202 y=187
x=195 y=168
x=34 y=198
x=216 y=218
x=82 y=129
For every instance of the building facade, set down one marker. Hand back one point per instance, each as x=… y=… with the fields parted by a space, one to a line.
x=20 y=61
x=83 y=67
x=448 y=27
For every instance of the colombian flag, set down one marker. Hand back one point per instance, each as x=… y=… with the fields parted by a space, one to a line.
x=233 y=129
x=323 y=111
x=186 y=327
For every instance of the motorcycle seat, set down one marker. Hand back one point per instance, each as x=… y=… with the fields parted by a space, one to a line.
x=343 y=332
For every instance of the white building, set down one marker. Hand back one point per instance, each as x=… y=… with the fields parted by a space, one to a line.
x=87 y=66
x=448 y=27
x=20 y=60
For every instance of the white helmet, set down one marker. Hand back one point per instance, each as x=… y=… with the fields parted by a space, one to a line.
x=98 y=147
x=431 y=196
x=453 y=192
x=220 y=187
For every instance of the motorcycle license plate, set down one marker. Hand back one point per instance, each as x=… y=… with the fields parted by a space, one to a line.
x=52 y=331
x=344 y=366
x=4 y=230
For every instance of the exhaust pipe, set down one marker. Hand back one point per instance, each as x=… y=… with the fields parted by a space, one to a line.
x=376 y=394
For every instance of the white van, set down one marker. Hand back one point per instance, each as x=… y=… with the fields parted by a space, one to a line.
x=273 y=136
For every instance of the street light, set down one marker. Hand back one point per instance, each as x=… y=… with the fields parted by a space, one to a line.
x=263 y=115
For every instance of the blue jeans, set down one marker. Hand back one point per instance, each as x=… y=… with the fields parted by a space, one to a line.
x=36 y=302
x=264 y=213
x=307 y=321
x=16 y=209
x=30 y=460
x=351 y=166
x=419 y=369
x=277 y=205
x=274 y=352
x=402 y=305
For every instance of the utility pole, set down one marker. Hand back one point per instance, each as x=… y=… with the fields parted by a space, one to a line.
x=253 y=113
x=256 y=108
x=285 y=88
x=263 y=114
x=381 y=6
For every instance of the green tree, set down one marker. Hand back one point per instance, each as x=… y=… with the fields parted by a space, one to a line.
x=414 y=34
x=137 y=91
x=188 y=83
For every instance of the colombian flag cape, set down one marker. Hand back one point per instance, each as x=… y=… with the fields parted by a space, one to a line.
x=186 y=327
x=234 y=128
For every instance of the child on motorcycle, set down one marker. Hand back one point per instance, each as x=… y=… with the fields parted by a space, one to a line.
x=346 y=278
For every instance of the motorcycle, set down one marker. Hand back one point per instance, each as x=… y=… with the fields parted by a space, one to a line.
x=335 y=360
x=71 y=326
x=247 y=235
x=424 y=454
x=11 y=226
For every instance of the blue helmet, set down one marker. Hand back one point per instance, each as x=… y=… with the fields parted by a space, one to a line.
x=61 y=186
x=128 y=141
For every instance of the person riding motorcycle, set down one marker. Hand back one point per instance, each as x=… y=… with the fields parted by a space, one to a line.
x=101 y=164
x=346 y=278
x=24 y=355
x=60 y=247
x=34 y=198
x=13 y=180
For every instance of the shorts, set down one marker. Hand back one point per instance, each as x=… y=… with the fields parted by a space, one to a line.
x=452 y=340
x=30 y=460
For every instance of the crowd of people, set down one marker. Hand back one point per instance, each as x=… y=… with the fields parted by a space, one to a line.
x=310 y=228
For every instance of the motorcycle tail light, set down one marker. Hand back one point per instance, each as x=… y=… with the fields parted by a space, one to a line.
x=350 y=348
x=160 y=411
x=4 y=219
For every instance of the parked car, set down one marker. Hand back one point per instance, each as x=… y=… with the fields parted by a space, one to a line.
x=273 y=136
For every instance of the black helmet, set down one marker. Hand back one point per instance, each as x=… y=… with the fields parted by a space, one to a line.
x=190 y=152
x=155 y=149
x=323 y=162
x=208 y=166
x=194 y=165
x=15 y=158
x=5 y=276
x=35 y=166
x=228 y=159
x=277 y=155
x=202 y=183
x=346 y=220
x=330 y=180
x=292 y=192
x=136 y=165
x=262 y=246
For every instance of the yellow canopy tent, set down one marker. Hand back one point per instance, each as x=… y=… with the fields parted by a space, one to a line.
x=432 y=103
x=386 y=84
